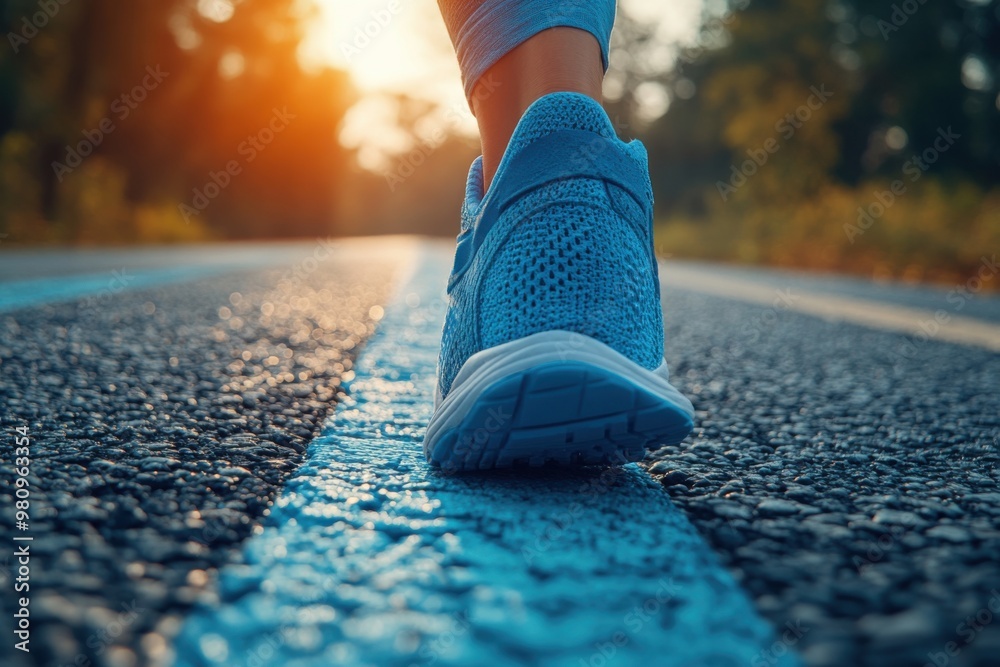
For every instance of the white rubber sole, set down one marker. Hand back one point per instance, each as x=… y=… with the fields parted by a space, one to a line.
x=554 y=397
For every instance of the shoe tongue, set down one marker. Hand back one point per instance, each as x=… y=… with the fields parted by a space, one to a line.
x=555 y=112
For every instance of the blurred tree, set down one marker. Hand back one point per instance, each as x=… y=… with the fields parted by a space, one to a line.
x=420 y=188
x=792 y=114
x=780 y=125
x=919 y=66
x=897 y=71
x=196 y=102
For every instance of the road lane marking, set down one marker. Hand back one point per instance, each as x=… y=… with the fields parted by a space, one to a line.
x=941 y=325
x=103 y=286
x=140 y=268
x=371 y=558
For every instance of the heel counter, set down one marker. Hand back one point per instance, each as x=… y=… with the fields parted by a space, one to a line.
x=586 y=268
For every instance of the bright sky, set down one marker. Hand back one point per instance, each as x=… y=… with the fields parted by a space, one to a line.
x=402 y=46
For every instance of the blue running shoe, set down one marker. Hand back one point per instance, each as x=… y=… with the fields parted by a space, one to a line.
x=553 y=342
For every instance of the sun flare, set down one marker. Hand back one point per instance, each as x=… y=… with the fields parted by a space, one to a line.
x=391 y=47
x=388 y=47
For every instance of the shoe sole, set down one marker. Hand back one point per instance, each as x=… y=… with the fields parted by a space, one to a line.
x=554 y=397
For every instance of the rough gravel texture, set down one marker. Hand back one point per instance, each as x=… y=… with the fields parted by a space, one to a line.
x=373 y=559
x=164 y=422
x=848 y=478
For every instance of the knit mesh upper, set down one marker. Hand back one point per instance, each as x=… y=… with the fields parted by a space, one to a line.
x=575 y=255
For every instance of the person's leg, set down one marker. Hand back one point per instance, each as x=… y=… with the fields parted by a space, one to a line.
x=513 y=52
x=552 y=348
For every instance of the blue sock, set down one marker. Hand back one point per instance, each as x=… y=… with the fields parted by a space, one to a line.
x=483 y=31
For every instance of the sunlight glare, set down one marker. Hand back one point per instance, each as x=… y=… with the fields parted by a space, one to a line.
x=218 y=11
x=396 y=46
x=392 y=47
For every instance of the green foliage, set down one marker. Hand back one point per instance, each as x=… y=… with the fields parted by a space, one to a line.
x=113 y=113
x=755 y=168
x=938 y=232
x=792 y=117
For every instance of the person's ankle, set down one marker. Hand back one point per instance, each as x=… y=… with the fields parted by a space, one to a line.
x=554 y=60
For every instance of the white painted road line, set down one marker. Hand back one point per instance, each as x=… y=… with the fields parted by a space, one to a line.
x=35 y=277
x=99 y=287
x=938 y=325
x=371 y=558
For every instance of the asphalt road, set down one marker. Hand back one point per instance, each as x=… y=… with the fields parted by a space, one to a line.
x=842 y=477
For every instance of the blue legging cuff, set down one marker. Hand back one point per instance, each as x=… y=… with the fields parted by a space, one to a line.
x=483 y=31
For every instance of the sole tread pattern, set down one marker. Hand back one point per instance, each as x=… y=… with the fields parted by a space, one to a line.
x=567 y=413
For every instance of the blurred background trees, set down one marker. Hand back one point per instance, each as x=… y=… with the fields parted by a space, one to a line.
x=221 y=79
x=897 y=73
